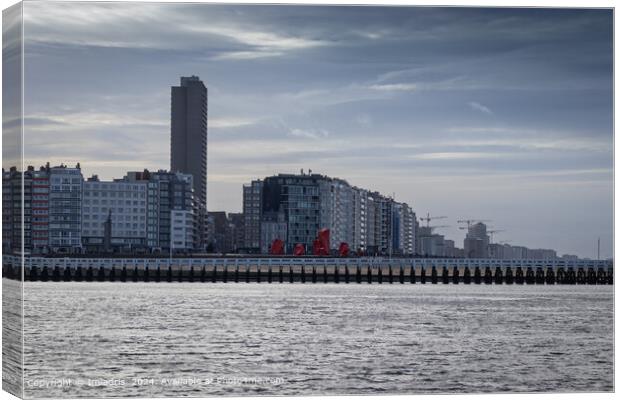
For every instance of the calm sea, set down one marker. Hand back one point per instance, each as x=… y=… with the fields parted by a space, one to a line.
x=197 y=339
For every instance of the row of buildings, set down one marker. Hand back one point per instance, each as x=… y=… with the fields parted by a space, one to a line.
x=294 y=208
x=477 y=244
x=65 y=213
x=158 y=212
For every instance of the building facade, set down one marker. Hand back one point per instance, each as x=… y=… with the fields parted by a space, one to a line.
x=297 y=201
x=294 y=207
x=476 y=243
x=39 y=216
x=252 y=211
x=121 y=201
x=188 y=153
x=62 y=213
x=12 y=210
x=65 y=209
x=403 y=229
x=167 y=193
x=236 y=223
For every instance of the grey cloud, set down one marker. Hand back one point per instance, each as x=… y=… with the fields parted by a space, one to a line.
x=480 y=107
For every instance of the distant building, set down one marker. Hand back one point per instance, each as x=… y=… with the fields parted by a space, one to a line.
x=273 y=229
x=496 y=251
x=518 y=252
x=39 y=216
x=171 y=210
x=359 y=210
x=381 y=223
x=125 y=203
x=226 y=232
x=476 y=241
x=218 y=238
x=541 y=254
x=431 y=244
x=236 y=222
x=340 y=208
x=452 y=251
x=507 y=252
x=296 y=201
x=294 y=208
x=189 y=133
x=65 y=209
x=12 y=216
x=189 y=140
x=35 y=216
x=252 y=211
x=51 y=217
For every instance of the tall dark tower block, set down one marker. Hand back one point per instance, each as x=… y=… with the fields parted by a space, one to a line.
x=189 y=133
x=188 y=152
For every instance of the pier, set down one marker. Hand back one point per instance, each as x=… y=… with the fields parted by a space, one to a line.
x=388 y=271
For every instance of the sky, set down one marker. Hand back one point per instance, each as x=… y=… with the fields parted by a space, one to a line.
x=470 y=113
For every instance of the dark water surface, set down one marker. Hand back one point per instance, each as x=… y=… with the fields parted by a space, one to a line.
x=196 y=339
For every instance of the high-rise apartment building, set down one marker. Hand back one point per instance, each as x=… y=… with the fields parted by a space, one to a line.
x=380 y=224
x=252 y=207
x=171 y=210
x=403 y=229
x=12 y=210
x=237 y=230
x=341 y=219
x=476 y=243
x=359 y=217
x=39 y=217
x=188 y=153
x=65 y=209
x=297 y=201
x=188 y=144
x=294 y=208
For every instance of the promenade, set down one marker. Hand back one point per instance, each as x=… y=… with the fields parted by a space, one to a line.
x=311 y=270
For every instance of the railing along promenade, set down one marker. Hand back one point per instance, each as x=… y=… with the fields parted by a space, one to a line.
x=369 y=270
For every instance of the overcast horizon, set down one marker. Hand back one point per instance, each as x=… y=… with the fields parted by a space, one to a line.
x=498 y=114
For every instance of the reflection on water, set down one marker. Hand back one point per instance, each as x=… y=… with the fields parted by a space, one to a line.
x=184 y=339
x=12 y=328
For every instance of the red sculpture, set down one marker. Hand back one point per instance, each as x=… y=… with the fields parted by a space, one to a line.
x=277 y=247
x=299 y=250
x=316 y=247
x=344 y=249
x=320 y=246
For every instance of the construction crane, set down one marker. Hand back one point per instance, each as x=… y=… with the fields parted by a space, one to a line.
x=428 y=219
x=492 y=232
x=470 y=222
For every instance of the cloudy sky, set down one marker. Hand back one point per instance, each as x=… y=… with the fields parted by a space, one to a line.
x=499 y=114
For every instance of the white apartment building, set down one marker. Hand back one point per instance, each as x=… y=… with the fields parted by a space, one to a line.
x=359 y=217
x=182 y=229
x=341 y=221
x=124 y=202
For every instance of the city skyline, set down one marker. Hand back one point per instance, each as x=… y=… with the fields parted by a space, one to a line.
x=497 y=119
